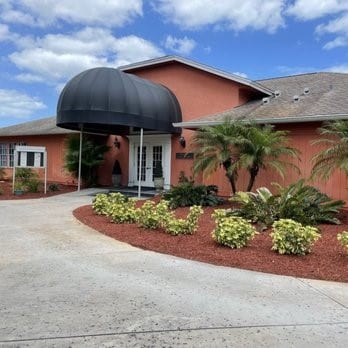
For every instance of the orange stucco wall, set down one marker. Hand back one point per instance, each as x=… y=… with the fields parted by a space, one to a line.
x=55 y=155
x=199 y=94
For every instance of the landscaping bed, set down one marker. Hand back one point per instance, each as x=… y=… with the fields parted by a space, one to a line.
x=6 y=191
x=327 y=261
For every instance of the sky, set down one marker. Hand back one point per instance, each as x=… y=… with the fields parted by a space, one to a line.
x=44 y=43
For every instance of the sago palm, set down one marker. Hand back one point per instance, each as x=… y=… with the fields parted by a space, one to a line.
x=335 y=155
x=262 y=147
x=214 y=147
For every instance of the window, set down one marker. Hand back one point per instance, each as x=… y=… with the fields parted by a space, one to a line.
x=6 y=153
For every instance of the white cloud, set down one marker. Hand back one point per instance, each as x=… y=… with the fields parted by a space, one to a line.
x=17 y=104
x=241 y=74
x=97 y=12
x=339 y=27
x=229 y=14
x=312 y=9
x=55 y=58
x=4 y=32
x=339 y=68
x=182 y=46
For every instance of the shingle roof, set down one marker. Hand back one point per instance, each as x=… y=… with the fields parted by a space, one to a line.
x=44 y=126
x=326 y=98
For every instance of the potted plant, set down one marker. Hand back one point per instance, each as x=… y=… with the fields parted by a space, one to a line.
x=18 y=188
x=116 y=174
x=158 y=179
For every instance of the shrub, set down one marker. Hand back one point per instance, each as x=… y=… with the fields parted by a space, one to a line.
x=153 y=216
x=189 y=225
x=102 y=203
x=125 y=212
x=343 y=238
x=299 y=202
x=186 y=194
x=53 y=187
x=32 y=185
x=25 y=174
x=1 y=192
x=260 y=207
x=232 y=231
x=2 y=173
x=291 y=237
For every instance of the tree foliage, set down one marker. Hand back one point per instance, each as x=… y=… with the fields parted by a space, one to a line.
x=235 y=145
x=92 y=157
x=335 y=155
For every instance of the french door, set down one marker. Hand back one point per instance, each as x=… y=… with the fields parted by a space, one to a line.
x=156 y=151
x=152 y=156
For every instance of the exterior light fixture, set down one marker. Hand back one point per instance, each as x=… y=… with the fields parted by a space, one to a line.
x=117 y=143
x=182 y=141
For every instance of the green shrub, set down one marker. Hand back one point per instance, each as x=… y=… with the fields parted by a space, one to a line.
x=260 y=207
x=299 y=202
x=32 y=185
x=121 y=213
x=25 y=174
x=1 y=192
x=187 y=194
x=102 y=204
x=153 y=216
x=291 y=237
x=2 y=173
x=53 y=187
x=232 y=231
x=343 y=238
x=189 y=225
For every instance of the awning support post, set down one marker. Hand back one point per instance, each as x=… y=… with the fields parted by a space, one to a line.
x=140 y=162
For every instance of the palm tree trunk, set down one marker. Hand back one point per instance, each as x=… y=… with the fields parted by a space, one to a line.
x=253 y=171
x=232 y=181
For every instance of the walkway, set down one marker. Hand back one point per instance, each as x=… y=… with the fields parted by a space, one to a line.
x=63 y=284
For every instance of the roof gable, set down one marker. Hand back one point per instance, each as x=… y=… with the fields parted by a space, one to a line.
x=176 y=59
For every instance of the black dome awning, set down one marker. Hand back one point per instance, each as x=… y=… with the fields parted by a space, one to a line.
x=107 y=100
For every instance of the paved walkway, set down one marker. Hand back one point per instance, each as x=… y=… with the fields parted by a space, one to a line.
x=63 y=284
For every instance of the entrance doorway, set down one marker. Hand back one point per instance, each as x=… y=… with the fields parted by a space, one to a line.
x=156 y=151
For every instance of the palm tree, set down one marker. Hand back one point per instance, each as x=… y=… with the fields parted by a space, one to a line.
x=262 y=147
x=236 y=145
x=92 y=156
x=214 y=147
x=335 y=155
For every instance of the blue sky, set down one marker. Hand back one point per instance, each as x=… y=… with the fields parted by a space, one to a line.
x=45 y=43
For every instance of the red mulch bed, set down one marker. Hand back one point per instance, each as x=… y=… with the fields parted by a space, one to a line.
x=327 y=261
x=6 y=191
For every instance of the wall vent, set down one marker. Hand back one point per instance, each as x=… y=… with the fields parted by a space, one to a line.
x=265 y=100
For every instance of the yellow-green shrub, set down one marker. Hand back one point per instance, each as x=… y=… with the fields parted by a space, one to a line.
x=343 y=238
x=232 y=231
x=153 y=216
x=290 y=237
x=189 y=225
x=125 y=212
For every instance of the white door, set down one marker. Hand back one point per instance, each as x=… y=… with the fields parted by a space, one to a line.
x=152 y=156
x=155 y=152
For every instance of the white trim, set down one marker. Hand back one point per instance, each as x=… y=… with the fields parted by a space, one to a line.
x=200 y=66
x=288 y=119
x=152 y=140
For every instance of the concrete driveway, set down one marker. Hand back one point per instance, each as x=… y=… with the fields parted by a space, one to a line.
x=63 y=284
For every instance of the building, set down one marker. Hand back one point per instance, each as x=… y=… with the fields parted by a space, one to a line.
x=206 y=96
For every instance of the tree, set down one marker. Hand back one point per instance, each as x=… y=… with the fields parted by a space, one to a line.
x=235 y=145
x=214 y=147
x=335 y=155
x=262 y=147
x=92 y=156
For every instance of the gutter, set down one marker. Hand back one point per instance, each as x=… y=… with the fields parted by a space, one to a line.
x=272 y=120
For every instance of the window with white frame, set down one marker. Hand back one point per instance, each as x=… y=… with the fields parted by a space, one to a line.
x=7 y=153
